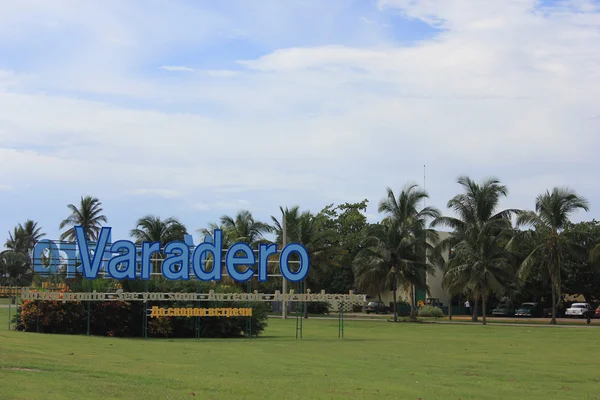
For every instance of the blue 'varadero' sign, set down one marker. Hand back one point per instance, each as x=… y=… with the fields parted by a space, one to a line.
x=124 y=260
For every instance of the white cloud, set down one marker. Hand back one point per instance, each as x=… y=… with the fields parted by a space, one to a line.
x=166 y=193
x=176 y=68
x=503 y=88
x=223 y=205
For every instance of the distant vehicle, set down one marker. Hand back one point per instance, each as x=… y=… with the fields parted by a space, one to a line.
x=597 y=313
x=582 y=310
x=503 y=310
x=377 y=307
x=531 y=310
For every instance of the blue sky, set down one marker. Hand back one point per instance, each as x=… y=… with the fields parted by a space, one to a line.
x=196 y=109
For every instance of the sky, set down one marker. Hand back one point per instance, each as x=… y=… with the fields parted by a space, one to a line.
x=195 y=109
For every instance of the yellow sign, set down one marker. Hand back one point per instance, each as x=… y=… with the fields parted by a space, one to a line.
x=200 y=312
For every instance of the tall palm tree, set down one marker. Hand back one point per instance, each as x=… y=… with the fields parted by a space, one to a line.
x=478 y=229
x=406 y=212
x=151 y=228
x=389 y=258
x=24 y=237
x=481 y=266
x=210 y=231
x=89 y=215
x=552 y=213
x=291 y=216
x=244 y=228
x=395 y=252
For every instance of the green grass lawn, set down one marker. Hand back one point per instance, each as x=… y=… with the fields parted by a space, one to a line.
x=375 y=360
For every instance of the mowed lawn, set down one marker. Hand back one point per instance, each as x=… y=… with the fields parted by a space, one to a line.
x=375 y=360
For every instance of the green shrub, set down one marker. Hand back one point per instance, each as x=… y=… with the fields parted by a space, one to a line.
x=126 y=319
x=430 y=311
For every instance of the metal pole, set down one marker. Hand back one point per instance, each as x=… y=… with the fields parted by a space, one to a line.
x=283 y=243
x=89 y=285
x=9 y=303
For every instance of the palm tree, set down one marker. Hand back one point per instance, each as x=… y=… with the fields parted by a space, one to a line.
x=152 y=228
x=310 y=231
x=478 y=229
x=210 y=231
x=390 y=258
x=244 y=228
x=24 y=237
x=89 y=215
x=552 y=214
x=412 y=222
x=395 y=253
x=481 y=266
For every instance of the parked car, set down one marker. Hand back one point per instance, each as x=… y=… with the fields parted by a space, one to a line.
x=377 y=307
x=503 y=310
x=582 y=310
x=597 y=313
x=531 y=310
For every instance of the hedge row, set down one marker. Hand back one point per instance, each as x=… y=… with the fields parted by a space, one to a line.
x=126 y=319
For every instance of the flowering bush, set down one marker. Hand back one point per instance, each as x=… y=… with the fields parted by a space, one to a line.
x=126 y=319
x=160 y=327
x=430 y=311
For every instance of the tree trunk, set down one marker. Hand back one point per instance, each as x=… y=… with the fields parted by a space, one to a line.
x=395 y=303
x=475 y=311
x=484 y=320
x=413 y=308
x=553 y=320
x=450 y=310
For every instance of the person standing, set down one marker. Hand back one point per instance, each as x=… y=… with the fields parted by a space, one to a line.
x=468 y=307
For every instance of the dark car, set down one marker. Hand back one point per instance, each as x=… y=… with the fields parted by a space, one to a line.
x=531 y=310
x=503 y=310
x=377 y=307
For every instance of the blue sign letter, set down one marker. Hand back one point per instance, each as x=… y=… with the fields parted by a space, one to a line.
x=216 y=250
x=90 y=268
x=231 y=260
x=264 y=251
x=284 y=260
x=178 y=253
x=128 y=258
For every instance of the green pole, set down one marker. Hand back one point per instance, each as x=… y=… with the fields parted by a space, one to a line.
x=299 y=315
x=89 y=287
x=249 y=318
x=197 y=317
x=341 y=320
x=146 y=312
x=9 y=304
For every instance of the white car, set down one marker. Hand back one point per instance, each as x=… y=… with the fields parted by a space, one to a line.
x=582 y=310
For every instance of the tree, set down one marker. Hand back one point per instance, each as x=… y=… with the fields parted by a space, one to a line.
x=480 y=233
x=89 y=215
x=15 y=269
x=405 y=213
x=347 y=224
x=481 y=266
x=388 y=260
x=151 y=228
x=395 y=252
x=551 y=217
x=24 y=237
x=310 y=230
x=244 y=228
x=581 y=275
